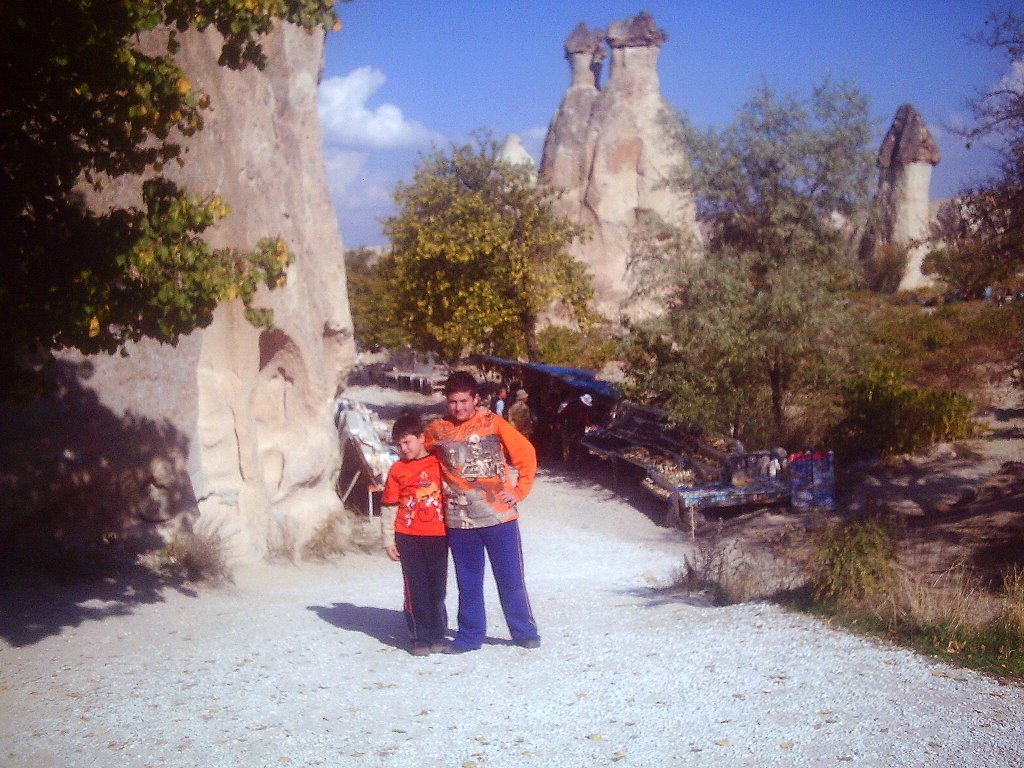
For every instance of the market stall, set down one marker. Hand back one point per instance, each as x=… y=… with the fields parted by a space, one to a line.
x=690 y=473
x=366 y=455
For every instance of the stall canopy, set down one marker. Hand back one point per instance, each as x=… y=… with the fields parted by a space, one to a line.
x=578 y=378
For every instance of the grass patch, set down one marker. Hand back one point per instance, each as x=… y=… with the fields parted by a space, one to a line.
x=858 y=581
x=855 y=562
x=853 y=578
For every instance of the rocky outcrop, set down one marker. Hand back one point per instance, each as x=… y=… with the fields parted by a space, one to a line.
x=901 y=209
x=610 y=150
x=231 y=430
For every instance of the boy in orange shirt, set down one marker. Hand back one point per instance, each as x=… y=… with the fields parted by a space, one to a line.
x=478 y=451
x=412 y=516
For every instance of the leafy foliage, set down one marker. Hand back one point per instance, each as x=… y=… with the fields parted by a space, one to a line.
x=590 y=349
x=479 y=253
x=982 y=230
x=757 y=312
x=85 y=102
x=884 y=267
x=372 y=301
x=855 y=560
x=955 y=346
x=885 y=415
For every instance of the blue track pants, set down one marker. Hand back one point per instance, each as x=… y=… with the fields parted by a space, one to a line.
x=504 y=549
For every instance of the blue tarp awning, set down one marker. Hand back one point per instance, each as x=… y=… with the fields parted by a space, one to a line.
x=579 y=378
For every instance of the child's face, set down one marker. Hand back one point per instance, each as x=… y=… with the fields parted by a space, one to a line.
x=411 y=447
x=462 y=405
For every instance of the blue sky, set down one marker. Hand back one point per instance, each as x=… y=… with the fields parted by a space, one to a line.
x=402 y=75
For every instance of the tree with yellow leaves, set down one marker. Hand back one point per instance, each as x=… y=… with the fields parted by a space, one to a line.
x=479 y=253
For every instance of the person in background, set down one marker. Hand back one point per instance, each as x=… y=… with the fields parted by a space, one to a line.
x=500 y=403
x=481 y=511
x=576 y=417
x=413 y=529
x=519 y=413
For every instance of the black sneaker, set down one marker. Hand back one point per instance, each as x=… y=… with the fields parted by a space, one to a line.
x=452 y=649
x=530 y=643
x=420 y=650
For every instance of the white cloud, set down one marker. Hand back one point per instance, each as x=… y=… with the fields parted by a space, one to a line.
x=348 y=121
x=352 y=184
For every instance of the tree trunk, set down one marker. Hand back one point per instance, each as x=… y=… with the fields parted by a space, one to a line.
x=529 y=324
x=778 y=385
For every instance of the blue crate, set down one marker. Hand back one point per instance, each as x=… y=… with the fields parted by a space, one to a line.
x=812 y=480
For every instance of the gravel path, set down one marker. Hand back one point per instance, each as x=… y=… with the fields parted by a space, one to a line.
x=306 y=666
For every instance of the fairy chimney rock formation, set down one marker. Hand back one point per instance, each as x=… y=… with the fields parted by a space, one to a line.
x=585 y=54
x=902 y=203
x=609 y=151
x=563 y=163
x=230 y=431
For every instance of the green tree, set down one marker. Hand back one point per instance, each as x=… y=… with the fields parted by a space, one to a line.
x=591 y=348
x=756 y=312
x=480 y=253
x=982 y=229
x=371 y=299
x=84 y=102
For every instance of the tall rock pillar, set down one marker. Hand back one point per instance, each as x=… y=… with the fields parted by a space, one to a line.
x=565 y=164
x=611 y=151
x=901 y=210
x=231 y=429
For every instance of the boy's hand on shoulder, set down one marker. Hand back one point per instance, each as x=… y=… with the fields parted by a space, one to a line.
x=392 y=553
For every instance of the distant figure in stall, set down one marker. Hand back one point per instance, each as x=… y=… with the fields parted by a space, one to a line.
x=520 y=415
x=501 y=401
x=576 y=416
x=486 y=394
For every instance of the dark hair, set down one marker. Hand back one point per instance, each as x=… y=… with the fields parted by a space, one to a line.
x=407 y=423
x=460 y=381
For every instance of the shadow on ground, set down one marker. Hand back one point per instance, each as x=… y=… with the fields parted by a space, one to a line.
x=34 y=607
x=382 y=624
x=79 y=501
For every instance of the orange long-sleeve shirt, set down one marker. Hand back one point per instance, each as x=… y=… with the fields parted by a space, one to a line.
x=477 y=458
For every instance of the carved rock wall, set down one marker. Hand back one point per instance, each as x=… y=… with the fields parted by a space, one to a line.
x=610 y=149
x=242 y=439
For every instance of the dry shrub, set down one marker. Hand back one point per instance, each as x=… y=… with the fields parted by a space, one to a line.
x=195 y=556
x=365 y=535
x=282 y=542
x=730 y=573
x=1013 y=601
x=955 y=599
x=330 y=539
